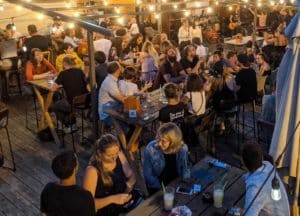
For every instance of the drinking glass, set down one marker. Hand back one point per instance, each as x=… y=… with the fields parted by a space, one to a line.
x=218 y=195
x=169 y=198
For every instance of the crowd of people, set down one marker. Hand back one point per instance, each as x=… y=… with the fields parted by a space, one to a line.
x=196 y=80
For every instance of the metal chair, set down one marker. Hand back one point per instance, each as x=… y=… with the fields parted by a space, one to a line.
x=3 y=125
x=82 y=103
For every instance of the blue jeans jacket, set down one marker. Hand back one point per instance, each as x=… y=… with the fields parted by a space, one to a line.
x=154 y=163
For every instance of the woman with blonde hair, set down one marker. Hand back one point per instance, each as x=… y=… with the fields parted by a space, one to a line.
x=150 y=62
x=109 y=177
x=165 y=158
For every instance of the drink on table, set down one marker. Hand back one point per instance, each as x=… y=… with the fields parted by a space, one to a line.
x=218 y=195
x=169 y=198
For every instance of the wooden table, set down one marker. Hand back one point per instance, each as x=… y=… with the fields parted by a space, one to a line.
x=131 y=146
x=243 y=42
x=45 y=104
x=233 y=196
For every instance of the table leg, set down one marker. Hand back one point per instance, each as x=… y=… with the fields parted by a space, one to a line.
x=45 y=114
x=135 y=166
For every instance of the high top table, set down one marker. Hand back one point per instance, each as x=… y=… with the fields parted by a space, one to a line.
x=45 y=103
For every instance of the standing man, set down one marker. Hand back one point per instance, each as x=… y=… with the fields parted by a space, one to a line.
x=64 y=197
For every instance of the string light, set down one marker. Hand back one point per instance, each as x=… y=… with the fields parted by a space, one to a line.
x=151 y=7
x=40 y=16
x=187 y=13
x=164 y=1
x=138 y=2
x=272 y=3
x=292 y=1
x=230 y=8
x=71 y=25
x=105 y=3
x=198 y=4
x=28 y=0
x=217 y=3
x=156 y=16
x=76 y=14
x=121 y=20
x=281 y=1
x=14 y=27
x=68 y=4
x=209 y=10
x=175 y=6
x=1 y=8
x=19 y=8
x=259 y=4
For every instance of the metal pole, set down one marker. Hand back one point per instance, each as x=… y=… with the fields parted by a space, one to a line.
x=93 y=85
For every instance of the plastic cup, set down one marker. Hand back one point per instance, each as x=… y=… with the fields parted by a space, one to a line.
x=169 y=198
x=218 y=195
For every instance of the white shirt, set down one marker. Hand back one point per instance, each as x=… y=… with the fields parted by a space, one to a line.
x=103 y=45
x=128 y=88
x=134 y=29
x=58 y=30
x=201 y=51
x=197 y=102
x=16 y=35
x=184 y=34
x=197 y=32
x=74 y=41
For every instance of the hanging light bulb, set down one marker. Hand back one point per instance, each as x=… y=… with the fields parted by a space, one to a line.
x=121 y=20
x=14 y=27
x=24 y=48
x=209 y=10
x=138 y=2
x=71 y=25
x=175 y=6
x=28 y=0
x=151 y=7
x=217 y=3
x=187 y=13
x=1 y=8
x=164 y=1
x=40 y=16
x=198 y=4
x=230 y=8
x=156 y=16
x=272 y=3
x=275 y=192
x=68 y=4
x=105 y=3
x=281 y=1
x=19 y=8
x=292 y=1
x=259 y=4
x=76 y=14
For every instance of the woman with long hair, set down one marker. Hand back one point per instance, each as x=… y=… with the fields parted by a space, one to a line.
x=150 y=62
x=109 y=177
x=38 y=67
x=166 y=157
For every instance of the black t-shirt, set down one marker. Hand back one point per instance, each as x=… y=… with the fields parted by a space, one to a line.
x=101 y=73
x=37 y=41
x=73 y=82
x=246 y=79
x=167 y=68
x=173 y=113
x=169 y=172
x=187 y=64
x=58 y=200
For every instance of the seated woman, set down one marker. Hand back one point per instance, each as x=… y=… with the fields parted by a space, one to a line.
x=165 y=158
x=67 y=49
x=128 y=86
x=38 y=67
x=264 y=68
x=109 y=177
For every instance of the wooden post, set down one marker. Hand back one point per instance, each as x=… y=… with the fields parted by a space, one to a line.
x=93 y=85
x=254 y=26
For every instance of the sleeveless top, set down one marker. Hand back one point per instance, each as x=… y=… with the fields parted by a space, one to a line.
x=119 y=182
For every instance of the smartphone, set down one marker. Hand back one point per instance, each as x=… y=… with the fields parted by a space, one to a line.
x=183 y=190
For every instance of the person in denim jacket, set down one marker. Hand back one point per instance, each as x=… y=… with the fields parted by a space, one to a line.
x=165 y=158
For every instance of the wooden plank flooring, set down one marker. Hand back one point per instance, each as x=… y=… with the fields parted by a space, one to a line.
x=20 y=190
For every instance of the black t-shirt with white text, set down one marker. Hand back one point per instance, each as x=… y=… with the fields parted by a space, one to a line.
x=59 y=200
x=173 y=113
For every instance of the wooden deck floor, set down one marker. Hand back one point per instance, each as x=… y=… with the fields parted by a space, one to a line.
x=20 y=190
